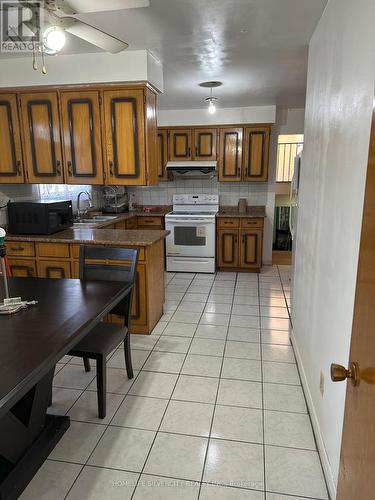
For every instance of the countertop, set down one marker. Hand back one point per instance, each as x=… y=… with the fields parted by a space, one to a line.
x=252 y=211
x=126 y=237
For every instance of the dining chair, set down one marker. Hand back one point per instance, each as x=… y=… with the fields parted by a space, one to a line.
x=120 y=265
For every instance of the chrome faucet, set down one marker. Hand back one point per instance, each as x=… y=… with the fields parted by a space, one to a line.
x=79 y=211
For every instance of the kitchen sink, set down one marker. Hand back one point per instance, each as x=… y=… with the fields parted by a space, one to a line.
x=97 y=219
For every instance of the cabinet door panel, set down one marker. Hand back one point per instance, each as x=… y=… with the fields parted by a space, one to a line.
x=227 y=248
x=10 y=141
x=41 y=129
x=230 y=157
x=22 y=268
x=82 y=137
x=180 y=144
x=256 y=148
x=205 y=141
x=251 y=248
x=124 y=126
x=162 y=158
x=54 y=269
x=139 y=305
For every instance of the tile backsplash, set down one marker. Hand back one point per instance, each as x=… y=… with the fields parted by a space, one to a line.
x=229 y=193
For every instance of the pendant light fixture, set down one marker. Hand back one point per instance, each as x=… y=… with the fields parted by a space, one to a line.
x=211 y=100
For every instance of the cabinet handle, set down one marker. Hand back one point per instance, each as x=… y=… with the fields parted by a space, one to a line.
x=19 y=167
x=58 y=169
x=111 y=168
x=196 y=150
x=70 y=172
x=17 y=249
x=189 y=151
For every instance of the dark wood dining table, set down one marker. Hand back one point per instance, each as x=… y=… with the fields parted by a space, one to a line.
x=32 y=341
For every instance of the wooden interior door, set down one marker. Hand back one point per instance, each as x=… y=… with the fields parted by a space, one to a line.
x=255 y=153
x=10 y=141
x=82 y=137
x=41 y=130
x=357 y=461
x=205 y=142
x=125 y=136
x=227 y=248
x=162 y=156
x=251 y=248
x=230 y=156
x=180 y=144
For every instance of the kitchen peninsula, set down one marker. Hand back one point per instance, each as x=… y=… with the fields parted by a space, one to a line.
x=56 y=256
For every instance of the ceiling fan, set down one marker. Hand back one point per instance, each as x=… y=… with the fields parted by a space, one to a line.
x=60 y=16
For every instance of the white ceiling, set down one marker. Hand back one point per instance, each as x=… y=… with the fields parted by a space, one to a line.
x=257 y=48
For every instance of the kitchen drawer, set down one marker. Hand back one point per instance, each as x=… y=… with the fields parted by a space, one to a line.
x=120 y=225
x=20 y=248
x=53 y=250
x=228 y=222
x=131 y=223
x=253 y=222
x=150 y=221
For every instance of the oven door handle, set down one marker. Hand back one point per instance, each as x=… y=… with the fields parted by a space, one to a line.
x=189 y=222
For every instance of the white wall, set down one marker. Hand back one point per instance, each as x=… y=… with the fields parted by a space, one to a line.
x=126 y=66
x=340 y=90
x=253 y=114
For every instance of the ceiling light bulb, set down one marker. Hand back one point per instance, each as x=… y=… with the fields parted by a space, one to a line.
x=53 y=39
x=211 y=108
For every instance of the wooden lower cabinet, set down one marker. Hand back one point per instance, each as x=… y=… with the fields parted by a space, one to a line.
x=60 y=260
x=227 y=246
x=240 y=243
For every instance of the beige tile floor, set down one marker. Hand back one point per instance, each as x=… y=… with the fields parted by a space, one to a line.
x=215 y=411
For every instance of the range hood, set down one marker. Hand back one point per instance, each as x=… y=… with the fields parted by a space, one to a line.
x=186 y=169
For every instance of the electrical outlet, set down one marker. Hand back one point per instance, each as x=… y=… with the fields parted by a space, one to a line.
x=321 y=383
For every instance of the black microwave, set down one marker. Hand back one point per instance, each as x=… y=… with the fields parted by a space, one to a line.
x=39 y=217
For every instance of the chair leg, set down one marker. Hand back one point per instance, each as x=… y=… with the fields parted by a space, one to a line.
x=128 y=356
x=86 y=363
x=101 y=383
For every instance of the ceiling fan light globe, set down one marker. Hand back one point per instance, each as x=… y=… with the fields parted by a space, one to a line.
x=53 y=39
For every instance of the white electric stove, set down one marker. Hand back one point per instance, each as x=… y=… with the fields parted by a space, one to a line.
x=191 y=244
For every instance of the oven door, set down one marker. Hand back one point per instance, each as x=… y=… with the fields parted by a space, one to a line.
x=190 y=237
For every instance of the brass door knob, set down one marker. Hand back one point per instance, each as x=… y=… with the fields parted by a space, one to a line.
x=339 y=373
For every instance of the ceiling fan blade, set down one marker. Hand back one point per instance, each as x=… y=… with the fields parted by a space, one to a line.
x=95 y=36
x=84 y=6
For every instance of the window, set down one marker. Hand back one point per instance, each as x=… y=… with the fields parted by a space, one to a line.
x=289 y=146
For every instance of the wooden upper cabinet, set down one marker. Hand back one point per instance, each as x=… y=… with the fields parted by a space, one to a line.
x=205 y=143
x=41 y=131
x=83 y=162
x=230 y=155
x=180 y=144
x=251 y=248
x=10 y=141
x=125 y=136
x=227 y=248
x=255 y=153
x=162 y=154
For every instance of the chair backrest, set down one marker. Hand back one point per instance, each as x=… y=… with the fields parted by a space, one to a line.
x=109 y=264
